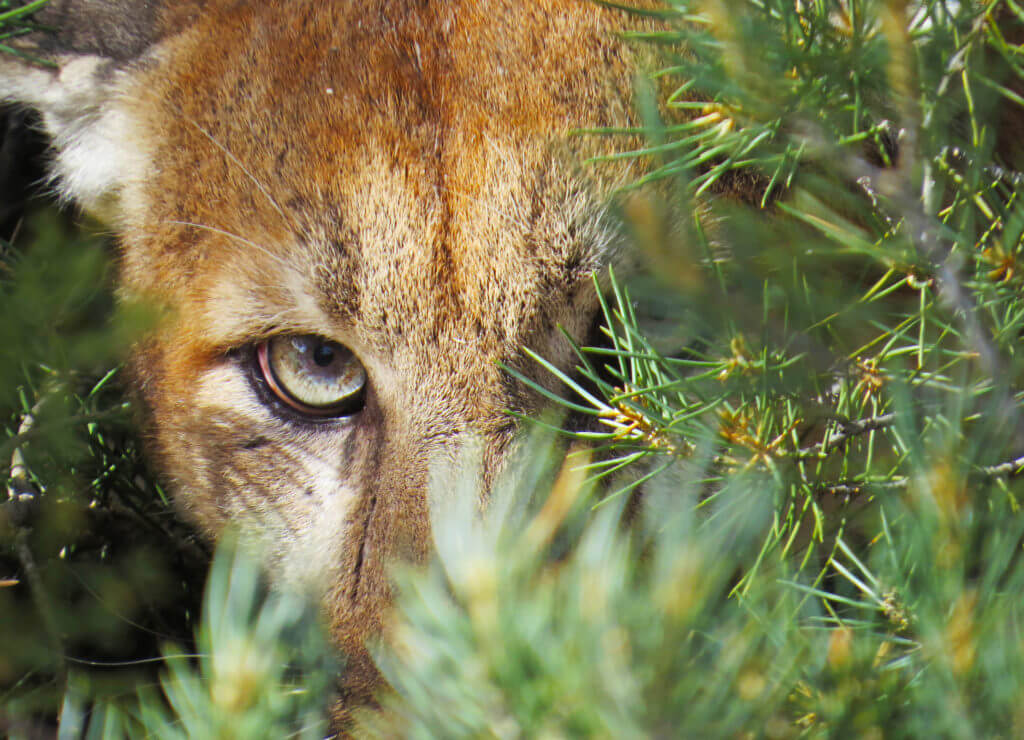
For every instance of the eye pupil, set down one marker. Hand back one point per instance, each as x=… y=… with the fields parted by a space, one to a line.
x=323 y=355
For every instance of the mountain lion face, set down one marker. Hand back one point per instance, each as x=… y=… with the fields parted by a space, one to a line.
x=352 y=213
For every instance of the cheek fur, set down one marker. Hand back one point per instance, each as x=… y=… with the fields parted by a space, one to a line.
x=238 y=459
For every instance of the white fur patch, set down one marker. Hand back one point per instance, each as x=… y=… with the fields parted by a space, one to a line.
x=225 y=388
x=93 y=136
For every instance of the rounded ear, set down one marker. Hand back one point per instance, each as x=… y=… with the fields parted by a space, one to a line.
x=70 y=60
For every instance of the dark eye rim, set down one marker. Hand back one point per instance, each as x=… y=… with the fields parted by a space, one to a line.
x=273 y=390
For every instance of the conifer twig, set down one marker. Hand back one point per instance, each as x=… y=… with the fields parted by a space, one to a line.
x=849 y=429
x=1010 y=469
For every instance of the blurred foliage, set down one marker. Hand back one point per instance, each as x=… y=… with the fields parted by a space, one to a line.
x=634 y=632
x=793 y=509
x=263 y=670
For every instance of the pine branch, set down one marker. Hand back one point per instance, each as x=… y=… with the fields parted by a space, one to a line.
x=848 y=430
x=1011 y=469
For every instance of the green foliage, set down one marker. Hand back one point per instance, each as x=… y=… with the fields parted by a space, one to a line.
x=16 y=20
x=861 y=325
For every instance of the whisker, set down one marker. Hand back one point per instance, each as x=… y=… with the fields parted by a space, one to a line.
x=137 y=661
x=110 y=608
x=241 y=240
x=243 y=168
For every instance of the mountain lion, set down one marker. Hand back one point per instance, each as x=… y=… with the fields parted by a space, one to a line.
x=350 y=213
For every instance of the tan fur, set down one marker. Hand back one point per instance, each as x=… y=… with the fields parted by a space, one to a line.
x=392 y=175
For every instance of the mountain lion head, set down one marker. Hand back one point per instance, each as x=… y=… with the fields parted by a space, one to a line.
x=351 y=214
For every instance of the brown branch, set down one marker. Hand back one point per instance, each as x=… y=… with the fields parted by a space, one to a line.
x=21 y=505
x=40 y=598
x=1010 y=469
x=848 y=430
x=849 y=488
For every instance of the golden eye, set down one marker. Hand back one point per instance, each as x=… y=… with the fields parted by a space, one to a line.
x=313 y=375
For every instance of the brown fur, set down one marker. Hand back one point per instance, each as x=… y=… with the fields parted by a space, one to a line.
x=393 y=175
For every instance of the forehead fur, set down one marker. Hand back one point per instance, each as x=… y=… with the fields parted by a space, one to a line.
x=348 y=123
